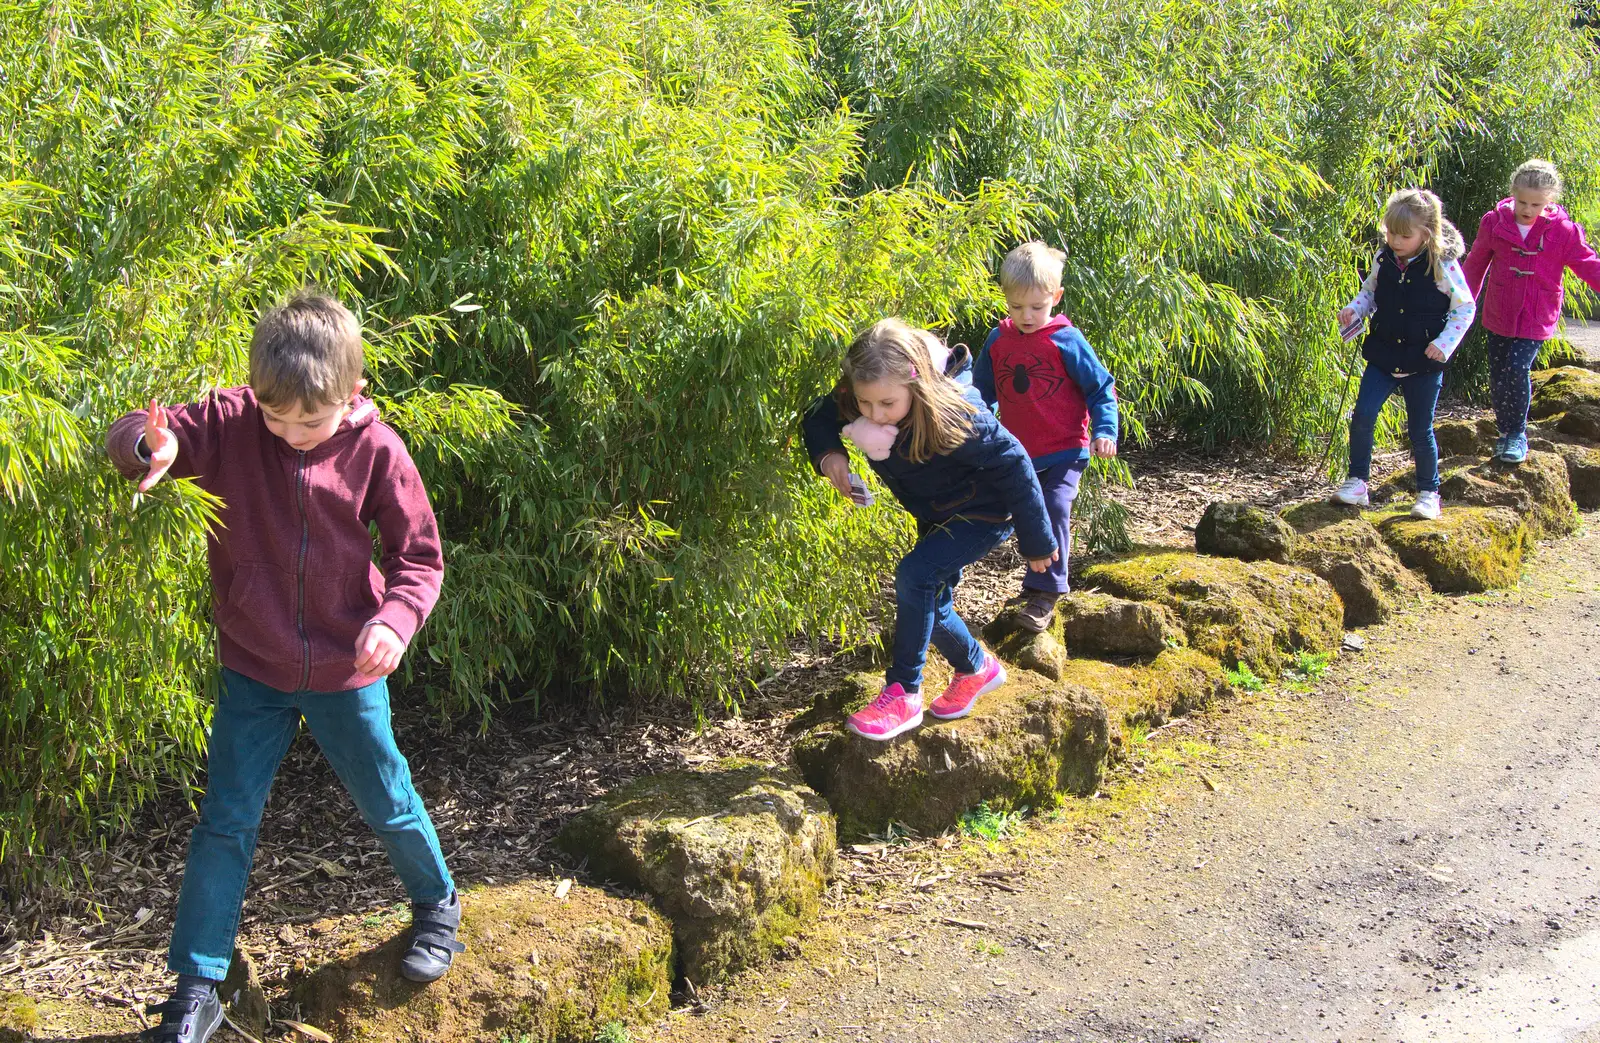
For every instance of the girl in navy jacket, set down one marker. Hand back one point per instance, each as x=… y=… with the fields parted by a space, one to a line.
x=965 y=479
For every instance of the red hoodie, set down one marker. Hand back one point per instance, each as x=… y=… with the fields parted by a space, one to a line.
x=292 y=576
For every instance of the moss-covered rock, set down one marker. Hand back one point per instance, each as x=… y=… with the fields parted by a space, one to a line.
x=1581 y=421
x=737 y=854
x=1559 y=390
x=1255 y=612
x=19 y=1017
x=1583 y=474
x=1538 y=489
x=1231 y=529
x=1465 y=549
x=1042 y=653
x=1176 y=682
x=1346 y=550
x=1089 y=623
x=550 y=969
x=1465 y=437
x=1025 y=743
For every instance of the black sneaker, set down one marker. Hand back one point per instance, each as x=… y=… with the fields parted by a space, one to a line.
x=433 y=940
x=1037 y=612
x=185 y=1019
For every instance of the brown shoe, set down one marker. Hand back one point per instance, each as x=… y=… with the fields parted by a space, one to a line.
x=1037 y=612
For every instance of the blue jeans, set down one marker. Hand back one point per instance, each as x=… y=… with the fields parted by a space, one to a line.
x=250 y=732
x=923 y=584
x=1421 y=391
x=1060 y=487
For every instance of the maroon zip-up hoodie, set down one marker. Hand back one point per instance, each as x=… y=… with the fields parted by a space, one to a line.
x=292 y=576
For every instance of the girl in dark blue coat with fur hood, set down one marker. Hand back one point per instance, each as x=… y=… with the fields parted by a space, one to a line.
x=966 y=480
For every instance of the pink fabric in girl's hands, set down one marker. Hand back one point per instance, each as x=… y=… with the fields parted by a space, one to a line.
x=873 y=439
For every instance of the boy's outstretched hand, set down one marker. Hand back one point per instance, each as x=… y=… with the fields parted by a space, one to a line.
x=161 y=443
x=378 y=650
x=1104 y=448
x=1041 y=564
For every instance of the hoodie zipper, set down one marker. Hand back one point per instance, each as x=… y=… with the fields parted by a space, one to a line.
x=300 y=572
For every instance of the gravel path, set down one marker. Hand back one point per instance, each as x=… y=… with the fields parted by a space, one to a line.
x=1408 y=852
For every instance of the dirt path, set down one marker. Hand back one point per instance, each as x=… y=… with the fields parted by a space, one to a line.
x=1408 y=852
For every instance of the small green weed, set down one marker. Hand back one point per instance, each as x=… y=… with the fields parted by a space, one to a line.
x=1312 y=664
x=613 y=1032
x=985 y=823
x=1245 y=678
x=989 y=947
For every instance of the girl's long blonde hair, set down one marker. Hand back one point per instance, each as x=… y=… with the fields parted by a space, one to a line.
x=891 y=350
x=1412 y=208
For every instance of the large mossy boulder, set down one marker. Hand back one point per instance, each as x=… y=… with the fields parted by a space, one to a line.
x=1538 y=489
x=1465 y=437
x=1466 y=549
x=1176 y=682
x=737 y=854
x=1559 y=390
x=1581 y=421
x=1253 y=612
x=537 y=967
x=1088 y=623
x=1026 y=743
x=1583 y=474
x=1231 y=529
x=1346 y=550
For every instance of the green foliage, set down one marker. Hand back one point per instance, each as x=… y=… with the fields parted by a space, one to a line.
x=1245 y=679
x=984 y=823
x=604 y=252
x=612 y=1032
x=1215 y=171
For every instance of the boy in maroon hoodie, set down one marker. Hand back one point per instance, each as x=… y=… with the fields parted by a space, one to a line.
x=308 y=627
x=1049 y=389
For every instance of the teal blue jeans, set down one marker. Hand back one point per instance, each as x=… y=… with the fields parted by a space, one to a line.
x=250 y=733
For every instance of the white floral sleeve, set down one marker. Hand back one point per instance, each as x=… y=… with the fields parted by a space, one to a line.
x=1365 y=302
x=1462 y=308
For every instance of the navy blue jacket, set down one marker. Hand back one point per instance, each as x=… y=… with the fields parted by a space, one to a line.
x=989 y=477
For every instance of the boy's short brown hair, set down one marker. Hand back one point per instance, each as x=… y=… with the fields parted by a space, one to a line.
x=1032 y=266
x=307 y=351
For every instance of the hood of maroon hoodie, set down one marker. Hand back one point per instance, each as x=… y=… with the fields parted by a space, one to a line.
x=1056 y=322
x=292 y=576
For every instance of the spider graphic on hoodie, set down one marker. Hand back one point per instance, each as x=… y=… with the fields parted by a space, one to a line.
x=1030 y=376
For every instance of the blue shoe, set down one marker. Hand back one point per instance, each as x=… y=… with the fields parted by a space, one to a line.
x=1500 y=446
x=1516 y=449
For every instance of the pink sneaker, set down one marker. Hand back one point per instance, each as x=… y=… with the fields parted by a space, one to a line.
x=962 y=695
x=890 y=714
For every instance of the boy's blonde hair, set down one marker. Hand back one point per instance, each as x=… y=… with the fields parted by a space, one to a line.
x=1537 y=175
x=1032 y=266
x=891 y=350
x=307 y=351
x=1411 y=209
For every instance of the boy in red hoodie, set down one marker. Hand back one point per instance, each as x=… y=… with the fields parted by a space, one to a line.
x=308 y=627
x=1054 y=394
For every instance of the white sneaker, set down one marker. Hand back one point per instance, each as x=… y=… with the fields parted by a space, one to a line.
x=1352 y=492
x=1427 y=506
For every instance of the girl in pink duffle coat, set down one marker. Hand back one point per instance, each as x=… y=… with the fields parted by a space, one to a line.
x=1524 y=245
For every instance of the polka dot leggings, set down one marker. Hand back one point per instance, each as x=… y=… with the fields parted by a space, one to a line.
x=1510 y=358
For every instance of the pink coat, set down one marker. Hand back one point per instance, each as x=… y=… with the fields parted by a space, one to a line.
x=1522 y=298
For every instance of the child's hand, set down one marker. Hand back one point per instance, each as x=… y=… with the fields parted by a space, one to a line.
x=1042 y=564
x=378 y=650
x=1434 y=353
x=1346 y=316
x=1104 y=447
x=162 y=444
x=835 y=467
